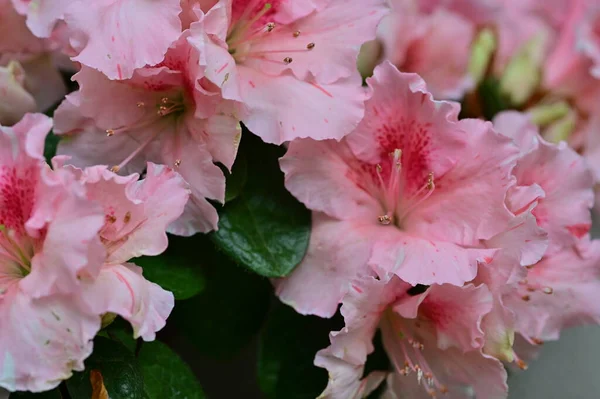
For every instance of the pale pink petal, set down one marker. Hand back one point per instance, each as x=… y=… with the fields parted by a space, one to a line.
x=222 y=135
x=457 y=313
x=163 y=194
x=281 y=108
x=317 y=173
x=44 y=81
x=206 y=180
x=564 y=293
x=568 y=185
x=43 y=15
x=345 y=358
x=15 y=37
x=42 y=341
x=118 y=36
x=519 y=127
x=337 y=251
x=333 y=34
x=122 y=289
x=422 y=261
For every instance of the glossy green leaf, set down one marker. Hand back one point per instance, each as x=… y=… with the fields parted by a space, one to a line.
x=166 y=375
x=228 y=313
x=265 y=228
x=119 y=368
x=288 y=345
x=177 y=269
x=53 y=394
x=50 y=146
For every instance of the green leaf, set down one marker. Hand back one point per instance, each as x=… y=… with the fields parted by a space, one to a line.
x=50 y=146
x=237 y=179
x=492 y=100
x=223 y=318
x=166 y=375
x=53 y=394
x=121 y=331
x=177 y=269
x=120 y=371
x=265 y=228
x=288 y=345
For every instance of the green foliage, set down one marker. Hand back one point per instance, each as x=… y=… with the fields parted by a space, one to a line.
x=178 y=269
x=264 y=228
x=119 y=369
x=227 y=314
x=50 y=146
x=288 y=345
x=166 y=375
x=53 y=394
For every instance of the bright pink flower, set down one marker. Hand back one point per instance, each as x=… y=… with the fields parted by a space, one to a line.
x=433 y=340
x=112 y=36
x=158 y=115
x=65 y=236
x=436 y=46
x=417 y=189
x=291 y=63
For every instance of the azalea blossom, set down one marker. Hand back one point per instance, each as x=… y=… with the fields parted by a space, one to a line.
x=437 y=46
x=433 y=340
x=291 y=63
x=411 y=191
x=162 y=114
x=65 y=238
x=112 y=36
x=557 y=288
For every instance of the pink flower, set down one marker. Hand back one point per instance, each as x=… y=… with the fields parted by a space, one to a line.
x=65 y=236
x=437 y=46
x=112 y=36
x=291 y=63
x=433 y=340
x=411 y=191
x=162 y=114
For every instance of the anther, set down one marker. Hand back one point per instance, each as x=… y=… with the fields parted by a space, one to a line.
x=270 y=26
x=443 y=389
x=297 y=33
x=537 y=341
x=115 y=169
x=110 y=132
x=310 y=46
x=164 y=100
x=127 y=217
x=526 y=298
x=140 y=104
x=111 y=219
x=384 y=219
x=177 y=163
x=522 y=365
x=548 y=290
x=531 y=289
x=523 y=282
x=430 y=181
x=288 y=60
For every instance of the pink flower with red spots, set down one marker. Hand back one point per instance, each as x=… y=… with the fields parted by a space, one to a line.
x=411 y=191
x=433 y=340
x=291 y=63
x=165 y=114
x=65 y=238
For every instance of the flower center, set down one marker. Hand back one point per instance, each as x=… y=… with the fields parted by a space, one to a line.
x=248 y=35
x=403 y=344
x=15 y=257
x=397 y=205
x=166 y=107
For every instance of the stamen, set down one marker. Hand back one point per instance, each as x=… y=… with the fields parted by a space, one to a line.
x=310 y=46
x=429 y=187
x=287 y=60
x=548 y=290
x=270 y=26
x=110 y=132
x=140 y=104
x=177 y=163
x=384 y=219
x=297 y=33
x=526 y=298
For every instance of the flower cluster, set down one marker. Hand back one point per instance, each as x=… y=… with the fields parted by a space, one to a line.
x=464 y=241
